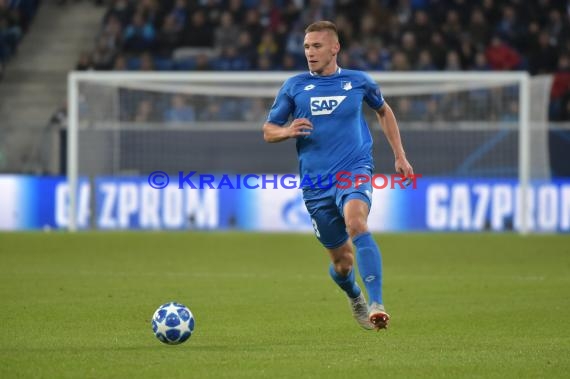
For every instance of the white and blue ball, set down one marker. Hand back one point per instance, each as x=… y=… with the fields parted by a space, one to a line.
x=173 y=323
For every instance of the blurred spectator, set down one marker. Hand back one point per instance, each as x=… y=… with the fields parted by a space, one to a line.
x=565 y=108
x=169 y=37
x=491 y=11
x=501 y=56
x=346 y=32
x=146 y=62
x=369 y=33
x=466 y=53
x=202 y=63
x=531 y=40
x=269 y=14
x=267 y=47
x=255 y=110
x=403 y=11
x=289 y=63
x=264 y=63
x=212 y=11
x=290 y=13
x=59 y=117
x=139 y=34
x=151 y=11
x=232 y=60
x=425 y=62
x=145 y=112
x=543 y=55
x=394 y=33
x=452 y=106
x=237 y=10
x=421 y=28
x=452 y=28
x=120 y=9
x=316 y=10
x=253 y=25
x=508 y=28
x=180 y=13
x=555 y=26
x=561 y=83
x=179 y=111
x=481 y=63
x=111 y=33
x=400 y=62
x=452 y=62
x=511 y=113
x=227 y=33
x=103 y=56
x=431 y=113
x=346 y=61
x=246 y=49
x=354 y=9
x=280 y=35
x=10 y=30
x=373 y=60
x=438 y=50
x=294 y=42
x=84 y=63
x=409 y=48
x=560 y=91
x=479 y=31
x=120 y=63
x=407 y=110
x=199 y=32
x=220 y=111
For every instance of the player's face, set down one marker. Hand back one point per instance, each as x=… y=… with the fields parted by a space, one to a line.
x=321 y=49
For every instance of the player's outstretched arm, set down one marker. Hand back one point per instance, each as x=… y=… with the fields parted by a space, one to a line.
x=274 y=133
x=389 y=125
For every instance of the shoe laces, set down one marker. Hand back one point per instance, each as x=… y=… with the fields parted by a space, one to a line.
x=359 y=305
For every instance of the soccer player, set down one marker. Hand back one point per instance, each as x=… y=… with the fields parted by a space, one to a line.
x=333 y=139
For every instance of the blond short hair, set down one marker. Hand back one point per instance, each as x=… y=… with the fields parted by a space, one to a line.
x=319 y=26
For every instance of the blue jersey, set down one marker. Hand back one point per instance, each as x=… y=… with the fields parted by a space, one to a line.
x=340 y=139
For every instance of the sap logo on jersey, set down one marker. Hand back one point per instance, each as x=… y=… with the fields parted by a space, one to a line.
x=325 y=104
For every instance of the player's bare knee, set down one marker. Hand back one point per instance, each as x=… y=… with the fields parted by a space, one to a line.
x=343 y=263
x=356 y=226
x=342 y=268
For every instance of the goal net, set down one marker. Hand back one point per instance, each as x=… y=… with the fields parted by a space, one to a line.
x=455 y=126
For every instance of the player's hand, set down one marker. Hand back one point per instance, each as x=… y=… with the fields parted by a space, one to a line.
x=299 y=127
x=404 y=167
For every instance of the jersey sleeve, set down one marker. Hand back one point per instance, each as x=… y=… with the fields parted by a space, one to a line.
x=372 y=94
x=282 y=107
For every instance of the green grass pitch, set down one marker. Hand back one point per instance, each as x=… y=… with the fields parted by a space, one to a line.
x=469 y=305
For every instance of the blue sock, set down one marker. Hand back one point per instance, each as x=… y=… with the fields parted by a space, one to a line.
x=369 y=263
x=347 y=283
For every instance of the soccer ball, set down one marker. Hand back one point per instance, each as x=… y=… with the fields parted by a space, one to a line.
x=173 y=323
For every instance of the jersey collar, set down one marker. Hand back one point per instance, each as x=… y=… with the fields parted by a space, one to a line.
x=338 y=70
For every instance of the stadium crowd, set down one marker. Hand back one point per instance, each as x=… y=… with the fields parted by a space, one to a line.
x=15 y=19
x=376 y=35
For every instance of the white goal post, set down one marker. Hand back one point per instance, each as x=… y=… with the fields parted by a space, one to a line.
x=265 y=84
